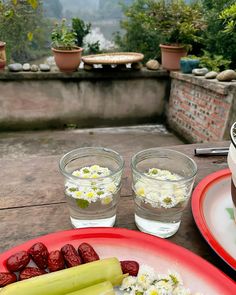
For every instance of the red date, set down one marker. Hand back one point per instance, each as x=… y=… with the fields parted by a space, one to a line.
x=39 y=254
x=30 y=272
x=18 y=261
x=71 y=256
x=87 y=253
x=130 y=267
x=7 y=278
x=55 y=261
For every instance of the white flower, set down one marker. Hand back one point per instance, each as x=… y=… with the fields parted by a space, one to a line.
x=92 y=190
x=139 y=189
x=145 y=278
x=76 y=173
x=163 y=277
x=152 y=291
x=128 y=283
x=95 y=168
x=168 y=201
x=147 y=270
x=90 y=196
x=150 y=283
x=181 y=290
x=106 y=200
x=111 y=188
x=78 y=194
x=164 y=287
x=144 y=281
x=175 y=278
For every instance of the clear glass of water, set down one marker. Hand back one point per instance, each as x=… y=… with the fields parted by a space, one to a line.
x=92 y=185
x=162 y=184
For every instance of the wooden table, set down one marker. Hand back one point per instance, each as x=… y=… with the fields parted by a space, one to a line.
x=32 y=201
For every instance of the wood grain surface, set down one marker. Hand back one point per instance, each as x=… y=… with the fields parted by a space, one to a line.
x=32 y=201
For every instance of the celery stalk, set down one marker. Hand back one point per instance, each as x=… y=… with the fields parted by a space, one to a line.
x=69 y=280
x=104 y=288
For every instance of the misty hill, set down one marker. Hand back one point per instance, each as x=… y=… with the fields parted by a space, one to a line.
x=93 y=9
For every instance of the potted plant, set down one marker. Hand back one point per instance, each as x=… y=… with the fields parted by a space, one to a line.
x=188 y=63
x=2 y=55
x=179 y=25
x=67 y=54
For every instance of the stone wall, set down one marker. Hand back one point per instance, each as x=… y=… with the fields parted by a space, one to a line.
x=201 y=110
x=85 y=99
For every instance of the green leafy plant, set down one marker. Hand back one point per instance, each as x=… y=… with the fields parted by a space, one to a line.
x=213 y=62
x=219 y=38
x=138 y=36
x=151 y=22
x=228 y=15
x=93 y=48
x=63 y=37
x=177 y=21
x=24 y=29
x=190 y=57
x=81 y=29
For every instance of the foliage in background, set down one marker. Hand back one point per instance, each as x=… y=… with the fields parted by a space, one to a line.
x=214 y=62
x=23 y=28
x=81 y=29
x=228 y=16
x=176 y=21
x=220 y=35
x=68 y=37
x=204 y=24
x=138 y=37
x=63 y=37
x=93 y=48
x=153 y=22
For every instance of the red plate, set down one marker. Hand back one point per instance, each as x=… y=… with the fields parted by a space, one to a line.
x=212 y=208
x=198 y=274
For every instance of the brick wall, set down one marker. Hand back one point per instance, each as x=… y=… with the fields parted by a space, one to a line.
x=201 y=110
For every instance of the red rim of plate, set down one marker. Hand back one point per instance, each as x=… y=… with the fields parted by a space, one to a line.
x=212 y=275
x=197 y=208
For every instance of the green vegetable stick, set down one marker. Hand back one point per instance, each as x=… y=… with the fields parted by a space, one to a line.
x=104 y=288
x=69 y=280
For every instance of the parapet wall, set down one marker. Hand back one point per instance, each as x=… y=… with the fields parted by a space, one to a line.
x=85 y=99
x=201 y=110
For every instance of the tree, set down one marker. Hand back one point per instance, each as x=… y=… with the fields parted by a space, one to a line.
x=216 y=39
x=22 y=27
x=81 y=29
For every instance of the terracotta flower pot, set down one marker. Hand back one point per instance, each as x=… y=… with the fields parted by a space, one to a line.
x=67 y=60
x=171 y=55
x=3 y=59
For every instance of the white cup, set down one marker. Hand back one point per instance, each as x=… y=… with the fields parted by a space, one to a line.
x=232 y=166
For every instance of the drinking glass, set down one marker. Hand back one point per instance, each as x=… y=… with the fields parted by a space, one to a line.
x=92 y=196
x=162 y=184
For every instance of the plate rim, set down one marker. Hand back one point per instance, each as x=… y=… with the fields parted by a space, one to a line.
x=188 y=258
x=198 y=197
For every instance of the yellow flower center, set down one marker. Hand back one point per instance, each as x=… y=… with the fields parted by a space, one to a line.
x=78 y=194
x=90 y=195
x=141 y=192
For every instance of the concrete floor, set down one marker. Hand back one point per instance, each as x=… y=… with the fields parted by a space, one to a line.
x=45 y=143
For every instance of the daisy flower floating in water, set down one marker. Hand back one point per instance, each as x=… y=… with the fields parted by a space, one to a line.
x=96 y=185
x=166 y=192
x=148 y=282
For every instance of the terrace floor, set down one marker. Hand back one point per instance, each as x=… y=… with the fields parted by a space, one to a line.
x=127 y=140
